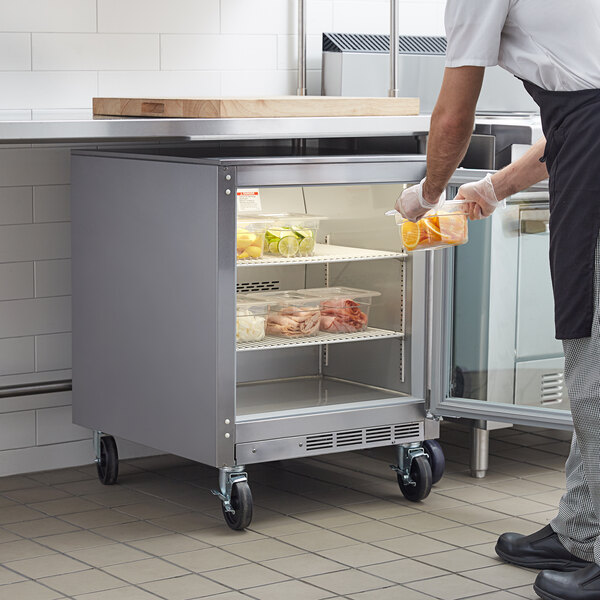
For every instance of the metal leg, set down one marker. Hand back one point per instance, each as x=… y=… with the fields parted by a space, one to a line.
x=480 y=446
x=228 y=477
x=97 y=436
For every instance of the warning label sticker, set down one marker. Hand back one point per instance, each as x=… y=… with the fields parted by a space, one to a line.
x=248 y=200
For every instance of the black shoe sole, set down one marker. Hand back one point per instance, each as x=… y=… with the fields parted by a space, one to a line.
x=545 y=595
x=551 y=565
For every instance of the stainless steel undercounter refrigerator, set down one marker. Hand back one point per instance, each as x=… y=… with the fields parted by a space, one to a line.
x=166 y=265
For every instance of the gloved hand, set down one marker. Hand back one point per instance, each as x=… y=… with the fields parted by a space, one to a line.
x=412 y=205
x=481 y=198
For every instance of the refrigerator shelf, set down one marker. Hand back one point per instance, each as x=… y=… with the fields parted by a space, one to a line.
x=324 y=253
x=270 y=342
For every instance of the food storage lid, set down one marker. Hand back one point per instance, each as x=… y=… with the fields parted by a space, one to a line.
x=251 y=219
x=251 y=302
x=449 y=207
x=289 y=298
x=342 y=292
x=291 y=218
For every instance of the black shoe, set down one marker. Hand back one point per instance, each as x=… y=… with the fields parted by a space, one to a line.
x=540 y=550
x=583 y=584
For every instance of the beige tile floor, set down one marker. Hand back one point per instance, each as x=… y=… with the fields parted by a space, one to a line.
x=326 y=527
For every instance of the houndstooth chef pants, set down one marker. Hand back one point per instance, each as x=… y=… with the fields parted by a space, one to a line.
x=578 y=520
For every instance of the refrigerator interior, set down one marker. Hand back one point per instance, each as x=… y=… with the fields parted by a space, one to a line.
x=370 y=368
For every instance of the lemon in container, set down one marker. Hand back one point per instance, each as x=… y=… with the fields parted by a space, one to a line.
x=442 y=228
x=250 y=237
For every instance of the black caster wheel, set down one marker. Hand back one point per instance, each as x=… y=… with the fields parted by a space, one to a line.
x=436 y=459
x=108 y=465
x=241 y=502
x=420 y=472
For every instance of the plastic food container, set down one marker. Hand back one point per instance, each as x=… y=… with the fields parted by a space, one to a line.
x=250 y=318
x=291 y=314
x=343 y=310
x=437 y=229
x=250 y=237
x=291 y=234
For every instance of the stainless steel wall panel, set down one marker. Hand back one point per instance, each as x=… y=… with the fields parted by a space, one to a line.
x=149 y=339
x=404 y=411
x=409 y=170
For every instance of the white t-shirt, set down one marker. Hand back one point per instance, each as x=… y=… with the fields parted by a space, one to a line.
x=552 y=43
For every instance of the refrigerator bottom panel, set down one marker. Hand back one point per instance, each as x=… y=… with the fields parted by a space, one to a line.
x=329 y=442
x=312 y=405
x=306 y=395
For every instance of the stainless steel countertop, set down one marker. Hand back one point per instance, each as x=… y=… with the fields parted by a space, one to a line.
x=114 y=129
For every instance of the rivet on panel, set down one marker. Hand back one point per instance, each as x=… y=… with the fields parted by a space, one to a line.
x=227 y=435
x=227 y=192
x=227 y=421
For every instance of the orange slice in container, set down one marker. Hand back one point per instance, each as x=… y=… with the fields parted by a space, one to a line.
x=411 y=235
x=432 y=225
x=453 y=228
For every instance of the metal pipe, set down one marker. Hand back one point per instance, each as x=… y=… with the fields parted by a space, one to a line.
x=480 y=447
x=44 y=387
x=394 y=92
x=301 y=91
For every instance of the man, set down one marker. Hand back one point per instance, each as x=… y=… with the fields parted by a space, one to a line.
x=554 y=47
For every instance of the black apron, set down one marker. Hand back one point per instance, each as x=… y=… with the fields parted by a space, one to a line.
x=571 y=124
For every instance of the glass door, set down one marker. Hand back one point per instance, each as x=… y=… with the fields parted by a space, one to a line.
x=494 y=355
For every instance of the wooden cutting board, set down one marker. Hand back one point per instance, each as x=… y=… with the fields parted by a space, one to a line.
x=285 y=106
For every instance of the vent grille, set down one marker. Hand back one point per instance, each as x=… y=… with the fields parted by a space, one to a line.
x=349 y=438
x=553 y=387
x=319 y=442
x=380 y=43
x=363 y=438
x=257 y=286
x=410 y=430
x=379 y=434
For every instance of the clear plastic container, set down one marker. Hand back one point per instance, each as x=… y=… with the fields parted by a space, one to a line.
x=343 y=309
x=291 y=314
x=251 y=237
x=250 y=318
x=446 y=227
x=291 y=234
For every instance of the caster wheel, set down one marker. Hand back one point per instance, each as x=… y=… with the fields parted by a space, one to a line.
x=108 y=465
x=436 y=459
x=241 y=502
x=420 y=472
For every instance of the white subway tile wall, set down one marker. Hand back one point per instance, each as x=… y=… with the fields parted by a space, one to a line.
x=55 y=56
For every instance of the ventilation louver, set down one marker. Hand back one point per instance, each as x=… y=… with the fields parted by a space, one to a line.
x=553 y=387
x=380 y=43
x=363 y=438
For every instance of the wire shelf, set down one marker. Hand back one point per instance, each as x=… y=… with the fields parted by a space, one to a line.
x=324 y=253
x=270 y=342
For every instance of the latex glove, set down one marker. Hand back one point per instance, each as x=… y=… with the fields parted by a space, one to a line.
x=481 y=198
x=411 y=204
